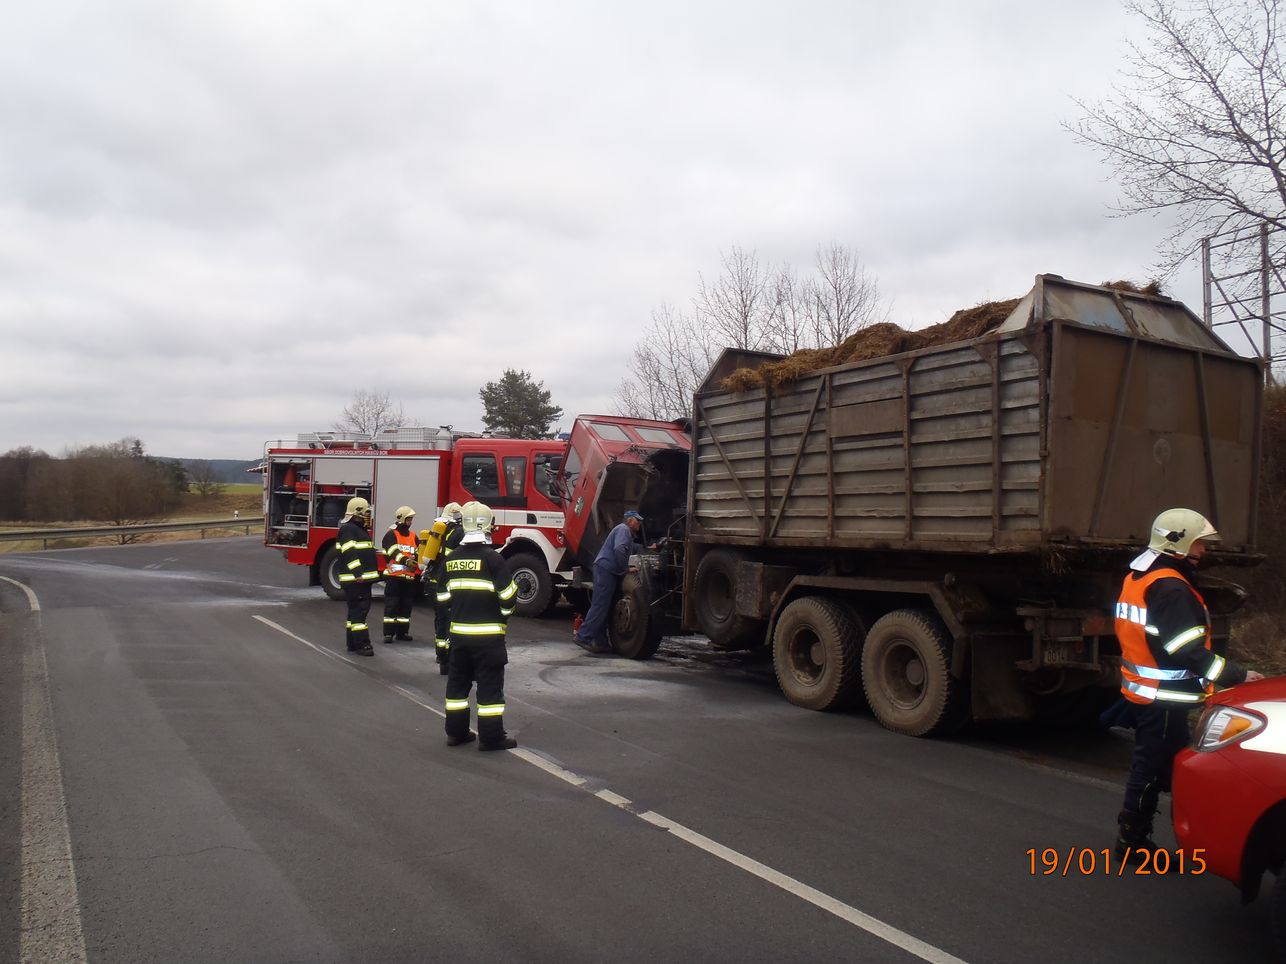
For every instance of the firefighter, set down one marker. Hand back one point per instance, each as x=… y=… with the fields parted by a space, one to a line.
x=482 y=597
x=1167 y=665
x=448 y=533
x=401 y=575
x=358 y=572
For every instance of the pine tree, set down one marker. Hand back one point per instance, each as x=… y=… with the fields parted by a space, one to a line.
x=518 y=407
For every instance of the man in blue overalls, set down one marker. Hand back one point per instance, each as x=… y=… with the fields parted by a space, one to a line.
x=610 y=565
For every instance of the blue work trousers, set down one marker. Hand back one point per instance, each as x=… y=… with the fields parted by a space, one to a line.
x=594 y=626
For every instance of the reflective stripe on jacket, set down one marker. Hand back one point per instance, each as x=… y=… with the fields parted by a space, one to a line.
x=400 y=552
x=1148 y=673
x=476 y=583
x=357 y=561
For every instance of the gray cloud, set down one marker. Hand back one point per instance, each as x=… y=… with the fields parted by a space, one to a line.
x=219 y=221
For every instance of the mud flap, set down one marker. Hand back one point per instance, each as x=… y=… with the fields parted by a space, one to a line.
x=996 y=683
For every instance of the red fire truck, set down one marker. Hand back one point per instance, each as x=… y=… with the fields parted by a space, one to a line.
x=308 y=482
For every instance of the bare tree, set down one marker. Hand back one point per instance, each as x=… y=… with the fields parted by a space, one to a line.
x=844 y=296
x=789 y=325
x=669 y=362
x=117 y=483
x=749 y=306
x=370 y=413
x=204 y=478
x=735 y=306
x=1195 y=126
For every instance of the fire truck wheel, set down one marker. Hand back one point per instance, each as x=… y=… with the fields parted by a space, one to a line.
x=328 y=573
x=906 y=672
x=535 y=584
x=631 y=630
x=815 y=653
x=714 y=603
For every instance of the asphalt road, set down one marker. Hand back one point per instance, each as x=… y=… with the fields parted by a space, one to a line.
x=208 y=777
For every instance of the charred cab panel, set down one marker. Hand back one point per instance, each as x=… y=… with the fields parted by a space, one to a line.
x=614 y=464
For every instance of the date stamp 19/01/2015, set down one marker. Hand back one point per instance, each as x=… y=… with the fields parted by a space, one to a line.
x=1085 y=862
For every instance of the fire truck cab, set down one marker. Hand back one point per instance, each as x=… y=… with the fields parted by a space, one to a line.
x=308 y=482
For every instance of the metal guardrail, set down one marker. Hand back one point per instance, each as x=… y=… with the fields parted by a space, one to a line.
x=90 y=532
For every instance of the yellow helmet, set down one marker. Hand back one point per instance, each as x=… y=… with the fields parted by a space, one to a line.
x=476 y=517
x=358 y=506
x=451 y=511
x=404 y=514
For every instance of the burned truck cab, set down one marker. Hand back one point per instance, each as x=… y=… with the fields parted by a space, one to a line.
x=614 y=464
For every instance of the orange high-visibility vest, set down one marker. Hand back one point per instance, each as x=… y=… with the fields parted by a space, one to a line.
x=402 y=565
x=1142 y=680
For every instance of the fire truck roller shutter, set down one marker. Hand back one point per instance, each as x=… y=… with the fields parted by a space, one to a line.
x=405 y=480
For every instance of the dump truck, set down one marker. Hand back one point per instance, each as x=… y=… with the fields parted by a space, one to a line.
x=941 y=531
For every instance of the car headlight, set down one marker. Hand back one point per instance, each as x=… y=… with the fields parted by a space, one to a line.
x=1222 y=726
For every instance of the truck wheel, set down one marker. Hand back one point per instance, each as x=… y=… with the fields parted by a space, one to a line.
x=715 y=603
x=535 y=584
x=906 y=672
x=631 y=629
x=328 y=573
x=815 y=653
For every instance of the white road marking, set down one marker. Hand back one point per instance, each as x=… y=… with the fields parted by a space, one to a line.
x=32 y=601
x=50 y=906
x=872 y=925
x=851 y=915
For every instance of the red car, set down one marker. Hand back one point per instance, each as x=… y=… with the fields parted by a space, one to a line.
x=1230 y=790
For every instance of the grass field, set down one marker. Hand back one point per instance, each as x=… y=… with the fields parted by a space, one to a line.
x=243 y=498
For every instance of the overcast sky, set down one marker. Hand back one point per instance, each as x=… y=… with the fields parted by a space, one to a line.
x=219 y=220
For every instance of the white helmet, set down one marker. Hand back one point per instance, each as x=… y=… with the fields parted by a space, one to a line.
x=404 y=514
x=1173 y=533
x=451 y=511
x=358 y=506
x=476 y=517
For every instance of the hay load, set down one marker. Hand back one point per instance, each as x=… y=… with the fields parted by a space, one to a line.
x=874 y=341
x=886 y=338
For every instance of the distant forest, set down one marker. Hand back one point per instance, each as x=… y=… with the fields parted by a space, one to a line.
x=117 y=483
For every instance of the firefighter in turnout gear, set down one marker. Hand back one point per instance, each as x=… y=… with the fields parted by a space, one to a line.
x=442 y=541
x=401 y=575
x=482 y=597
x=358 y=572
x=1167 y=665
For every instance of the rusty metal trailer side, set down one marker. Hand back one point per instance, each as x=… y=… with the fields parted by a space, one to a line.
x=1053 y=431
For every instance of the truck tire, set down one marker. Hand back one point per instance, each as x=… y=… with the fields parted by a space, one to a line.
x=535 y=584
x=906 y=672
x=328 y=572
x=714 y=603
x=815 y=653
x=631 y=629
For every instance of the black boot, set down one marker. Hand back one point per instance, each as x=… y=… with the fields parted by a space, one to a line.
x=461 y=738
x=1134 y=841
x=492 y=735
